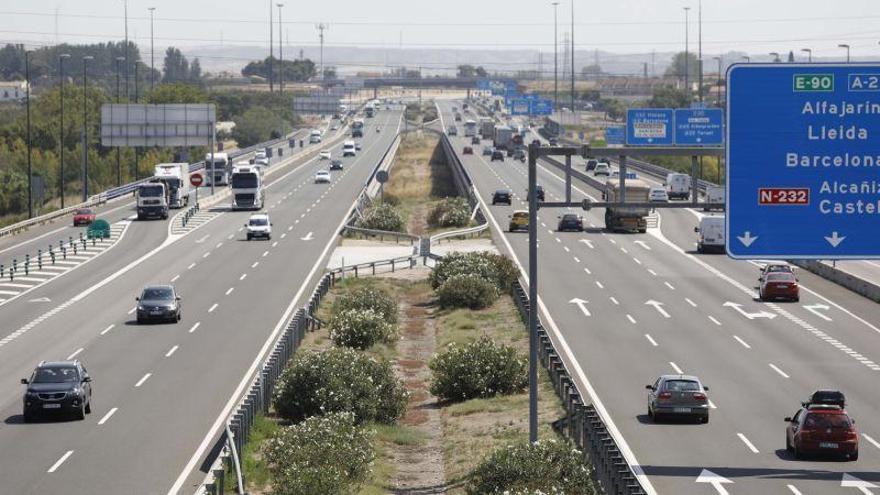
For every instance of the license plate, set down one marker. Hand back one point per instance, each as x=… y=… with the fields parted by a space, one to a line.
x=51 y=406
x=682 y=409
x=827 y=445
x=781 y=286
x=156 y=312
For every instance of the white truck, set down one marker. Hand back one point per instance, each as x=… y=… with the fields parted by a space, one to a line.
x=175 y=176
x=627 y=218
x=217 y=173
x=152 y=200
x=248 y=192
x=470 y=128
x=714 y=194
x=503 y=137
x=678 y=186
x=711 y=230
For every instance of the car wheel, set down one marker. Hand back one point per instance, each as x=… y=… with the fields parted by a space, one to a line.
x=27 y=417
x=80 y=413
x=248 y=237
x=788 y=447
x=140 y=320
x=854 y=456
x=650 y=413
x=179 y=316
x=705 y=419
x=797 y=299
x=89 y=406
x=797 y=452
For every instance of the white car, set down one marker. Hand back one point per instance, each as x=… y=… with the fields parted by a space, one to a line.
x=334 y=127
x=259 y=225
x=325 y=154
x=602 y=169
x=658 y=195
x=259 y=154
x=262 y=161
x=322 y=176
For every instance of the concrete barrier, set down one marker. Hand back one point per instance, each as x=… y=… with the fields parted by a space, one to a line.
x=842 y=278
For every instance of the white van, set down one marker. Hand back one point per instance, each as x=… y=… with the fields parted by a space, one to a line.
x=348 y=149
x=315 y=136
x=678 y=186
x=714 y=194
x=711 y=232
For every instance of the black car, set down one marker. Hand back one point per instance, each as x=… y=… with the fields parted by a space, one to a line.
x=336 y=164
x=570 y=221
x=497 y=155
x=539 y=192
x=591 y=164
x=553 y=141
x=501 y=196
x=475 y=140
x=58 y=387
x=519 y=154
x=826 y=398
x=158 y=302
x=536 y=142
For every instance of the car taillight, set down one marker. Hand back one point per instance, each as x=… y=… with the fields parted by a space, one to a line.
x=699 y=396
x=851 y=434
x=664 y=395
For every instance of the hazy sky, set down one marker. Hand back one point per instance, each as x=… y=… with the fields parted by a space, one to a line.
x=624 y=26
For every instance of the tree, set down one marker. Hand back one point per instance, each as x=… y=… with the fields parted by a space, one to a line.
x=329 y=72
x=677 y=68
x=669 y=97
x=593 y=70
x=294 y=70
x=177 y=93
x=176 y=67
x=614 y=109
x=258 y=124
x=195 y=71
x=468 y=71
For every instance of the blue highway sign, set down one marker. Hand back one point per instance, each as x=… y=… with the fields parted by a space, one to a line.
x=698 y=127
x=542 y=106
x=519 y=106
x=649 y=127
x=803 y=156
x=615 y=135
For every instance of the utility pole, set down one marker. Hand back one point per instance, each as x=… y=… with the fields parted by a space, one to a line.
x=27 y=82
x=125 y=4
x=118 y=161
x=700 y=47
x=686 y=54
x=555 y=56
x=85 y=144
x=136 y=100
x=271 y=44
x=280 y=53
x=61 y=59
x=321 y=27
x=152 y=69
x=572 y=57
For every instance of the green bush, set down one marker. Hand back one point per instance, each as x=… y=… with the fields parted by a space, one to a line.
x=545 y=467
x=360 y=328
x=382 y=216
x=466 y=291
x=339 y=380
x=497 y=269
x=480 y=368
x=450 y=212
x=329 y=454
x=367 y=297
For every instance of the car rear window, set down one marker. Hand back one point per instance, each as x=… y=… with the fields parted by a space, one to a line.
x=826 y=420
x=83 y=212
x=569 y=217
x=682 y=386
x=521 y=214
x=780 y=277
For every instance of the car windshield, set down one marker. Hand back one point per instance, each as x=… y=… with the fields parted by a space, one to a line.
x=83 y=212
x=56 y=374
x=501 y=192
x=682 y=386
x=778 y=268
x=157 y=294
x=258 y=222
x=244 y=181
x=827 y=421
x=780 y=277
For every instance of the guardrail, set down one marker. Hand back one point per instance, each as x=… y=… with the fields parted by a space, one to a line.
x=381 y=234
x=436 y=238
x=583 y=424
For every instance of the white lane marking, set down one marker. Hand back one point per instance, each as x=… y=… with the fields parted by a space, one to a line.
x=614 y=300
x=713 y=320
x=174 y=279
x=566 y=248
x=712 y=404
x=623 y=249
x=254 y=265
x=229 y=290
x=132 y=310
x=748 y=443
x=196 y=325
x=274 y=243
x=587 y=270
x=577 y=260
x=283 y=235
x=776 y=369
x=669 y=285
x=676 y=368
x=741 y=341
x=265 y=253
x=243 y=276
x=691 y=302
x=557 y=239
x=612 y=240
x=652 y=272
x=637 y=261
x=793 y=490
x=75 y=353
x=218 y=245
x=108 y=329
x=142 y=380
x=651 y=340
x=206 y=254
x=191 y=265
x=171 y=351
x=212 y=308
x=111 y=412
x=631 y=319
x=59 y=462
x=230 y=236
x=599 y=284
x=873 y=442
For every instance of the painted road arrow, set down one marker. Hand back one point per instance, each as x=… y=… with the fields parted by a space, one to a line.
x=643 y=244
x=850 y=481
x=835 y=240
x=814 y=308
x=659 y=307
x=308 y=237
x=751 y=316
x=717 y=481
x=582 y=305
x=41 y=299
x=747 y=239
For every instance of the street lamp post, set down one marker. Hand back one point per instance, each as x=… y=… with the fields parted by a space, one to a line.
x=555 y=56
x=27 y=78
x=686 y=54
x=572 y=59
x=775 y=56
x=844 y=45
x=85 y=143
x=61 y=59
x=719 y=79
x=118 y=160
x=280 y=53
x=747 y=58
x=152 y=69
x=809 y=52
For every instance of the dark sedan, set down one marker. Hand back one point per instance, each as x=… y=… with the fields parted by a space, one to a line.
x=501 y=196
x=570 y=221
x=539 y=192
x=497 y=155
x=158 y=302
x=58 y=387
x=336 y=164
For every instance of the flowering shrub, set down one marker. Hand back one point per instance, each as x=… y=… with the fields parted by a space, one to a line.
x=382 y=216
x=360 y=328
x=480 y=368
x=450 y=212
x=367 y=297
x=339 y=380
x=466 y=291
x=328 y=454
x=497 y=269
x=545 y=467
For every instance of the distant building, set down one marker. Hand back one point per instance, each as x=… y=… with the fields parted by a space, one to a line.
x=13 y=90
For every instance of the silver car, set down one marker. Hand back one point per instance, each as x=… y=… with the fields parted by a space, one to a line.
x=678 y=396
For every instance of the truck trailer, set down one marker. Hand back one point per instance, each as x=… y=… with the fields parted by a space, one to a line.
x=627 y=218
x=175 y=176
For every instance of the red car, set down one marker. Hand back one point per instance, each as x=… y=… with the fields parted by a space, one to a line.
x=83 y=216
x=779 y=285
x=468 y=150
x=822 y=429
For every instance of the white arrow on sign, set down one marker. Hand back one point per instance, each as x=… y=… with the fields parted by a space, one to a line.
x=659 y=307
x=644 y=245
x=751 y=316
x=850 y=481
x=308 y=237
x=582 y=305
x=41 y=299
x=717 y=481
x=747 y=239
x=814 y=308
x=835 y=240
x=588 y=243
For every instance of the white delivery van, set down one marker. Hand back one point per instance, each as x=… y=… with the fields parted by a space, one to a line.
x=348 y=149
x=315 y=136
x=714 y=194
x=711 y=231
x=678 y=186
